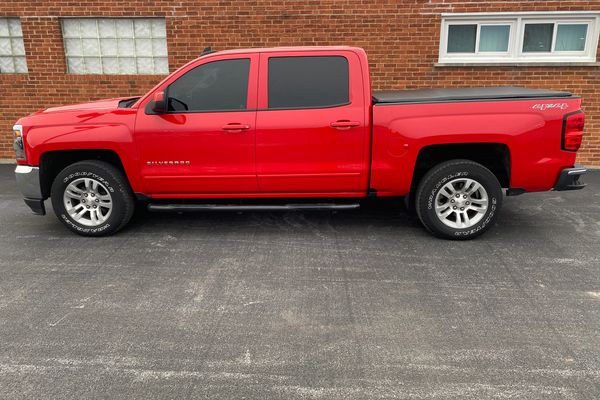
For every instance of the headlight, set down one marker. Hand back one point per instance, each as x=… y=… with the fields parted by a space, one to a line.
x=18 y=144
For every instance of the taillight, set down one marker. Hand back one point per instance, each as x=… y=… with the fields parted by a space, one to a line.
x=572 y=133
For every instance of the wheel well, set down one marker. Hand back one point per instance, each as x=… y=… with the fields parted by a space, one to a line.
x=493 y=156
x=52 y=162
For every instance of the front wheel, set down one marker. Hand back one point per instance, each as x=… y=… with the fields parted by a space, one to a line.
x=92 y=198
x=458 y=199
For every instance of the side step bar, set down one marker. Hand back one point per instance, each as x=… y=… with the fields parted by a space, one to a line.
x=249 y=207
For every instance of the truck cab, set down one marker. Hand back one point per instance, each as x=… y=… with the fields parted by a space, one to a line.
x=296 y=123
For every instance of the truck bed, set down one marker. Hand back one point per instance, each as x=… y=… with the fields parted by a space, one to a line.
x=464 y=94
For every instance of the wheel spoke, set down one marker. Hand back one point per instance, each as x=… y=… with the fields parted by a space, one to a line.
x=75 y=209
x=480 y=210
x=466 y=218
x=474 y=188
x=441 y=207
x=94 y=217
x=445 y=214
x=479 y=202
x=448 y=191
x=80 y=214
x=101 y=216
x=468 y=183
x=74 y=189
x=69 y=192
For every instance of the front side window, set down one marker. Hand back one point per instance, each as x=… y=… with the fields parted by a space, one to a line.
x=214 y=86
x=568 y=37
x=308 y=82
x=115 y=45
x=12 y=48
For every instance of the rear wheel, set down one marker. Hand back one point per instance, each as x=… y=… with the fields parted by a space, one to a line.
x=458 y=199
x=92 y=198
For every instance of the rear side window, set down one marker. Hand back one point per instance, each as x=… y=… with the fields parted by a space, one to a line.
x=214 y=86
x=308 y=82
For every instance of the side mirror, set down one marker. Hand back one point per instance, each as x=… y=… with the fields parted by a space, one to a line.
x=160 y=103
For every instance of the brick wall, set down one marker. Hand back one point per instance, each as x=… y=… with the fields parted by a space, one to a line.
x=400 y=36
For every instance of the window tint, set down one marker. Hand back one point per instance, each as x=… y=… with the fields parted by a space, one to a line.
x=461 y=38
x=538 y=38
x=215 y=86
x=304 y=82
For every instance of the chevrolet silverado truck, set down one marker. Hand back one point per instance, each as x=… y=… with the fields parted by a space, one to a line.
x=297 y=128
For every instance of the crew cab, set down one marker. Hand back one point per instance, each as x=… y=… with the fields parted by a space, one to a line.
x=297 y=128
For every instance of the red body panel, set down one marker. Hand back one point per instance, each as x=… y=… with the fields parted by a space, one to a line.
x=533 y=138
x=296 y=153
x=219 y=161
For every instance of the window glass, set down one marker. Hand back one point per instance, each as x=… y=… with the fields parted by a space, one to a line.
x=12 y=48
x=214 y=86
x=571 y=37
x=115 y=45
x=494 y=38
x=461 y=38
x=538 y=38
x=299 y=82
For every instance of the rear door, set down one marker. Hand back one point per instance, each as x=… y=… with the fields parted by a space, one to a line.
x=311 y=132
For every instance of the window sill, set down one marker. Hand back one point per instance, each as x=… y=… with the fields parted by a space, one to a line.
x=557 y=64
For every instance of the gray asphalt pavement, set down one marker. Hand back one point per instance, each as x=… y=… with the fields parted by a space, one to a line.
x=303 y=305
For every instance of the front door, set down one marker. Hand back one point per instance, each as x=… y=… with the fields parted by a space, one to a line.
x=312 y=133
x=204 y=143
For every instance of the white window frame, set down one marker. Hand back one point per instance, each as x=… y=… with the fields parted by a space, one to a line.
x=517 y=21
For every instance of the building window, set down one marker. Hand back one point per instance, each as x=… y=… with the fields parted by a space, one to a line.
x=12 y=49
x=115 y=45
x=528 y=37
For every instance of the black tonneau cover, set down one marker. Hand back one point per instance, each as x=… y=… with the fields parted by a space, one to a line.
x=463 y=94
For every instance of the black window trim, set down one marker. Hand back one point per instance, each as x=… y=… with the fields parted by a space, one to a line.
x=349 y=102
x=208 y=111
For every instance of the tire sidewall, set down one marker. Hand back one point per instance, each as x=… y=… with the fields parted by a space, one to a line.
x=87 y=171
x=487 y=180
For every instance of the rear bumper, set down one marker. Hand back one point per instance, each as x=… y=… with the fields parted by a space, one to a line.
x=570 y=178
x=28 y=181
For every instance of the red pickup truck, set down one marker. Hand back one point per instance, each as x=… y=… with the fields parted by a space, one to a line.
x=297 y=128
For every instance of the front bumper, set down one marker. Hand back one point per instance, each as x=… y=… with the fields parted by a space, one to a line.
x=570 y=178
x=28 y=181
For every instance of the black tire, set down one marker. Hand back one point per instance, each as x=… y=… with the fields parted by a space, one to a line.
x=123 y=201
x=433 y=182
